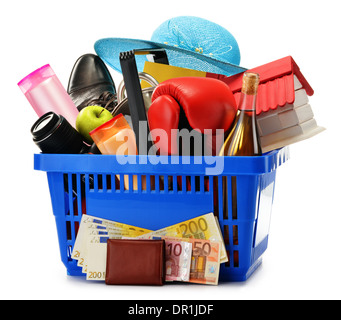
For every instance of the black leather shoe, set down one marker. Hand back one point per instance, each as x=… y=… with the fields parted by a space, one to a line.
x=91 y=83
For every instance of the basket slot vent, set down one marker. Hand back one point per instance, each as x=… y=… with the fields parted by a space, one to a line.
x=68 y=230
x=197 y=184
x=77 y=201
x=236 y=259
x=108 y=182
x=91 y=182
x=206 y=183
x=115 y=182
x=225 y=199
x=71 y=229
x=152 y=183
x=170 y=184
x=226 y=235
x=73 y=190
x=235 y=236
x=125 y=182
x=179 y=183
x=234 y=198
x=162 y=183
x=69 y=253
x=216 y=195
x=144 y=182
x=187 y=182
x=100 y=182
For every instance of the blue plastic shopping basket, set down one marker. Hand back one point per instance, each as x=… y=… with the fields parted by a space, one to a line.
x=154 y=196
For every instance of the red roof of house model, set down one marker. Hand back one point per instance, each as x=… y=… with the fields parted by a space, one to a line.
x=276 y=87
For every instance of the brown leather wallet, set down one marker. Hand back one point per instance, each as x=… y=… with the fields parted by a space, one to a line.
x=135 y=262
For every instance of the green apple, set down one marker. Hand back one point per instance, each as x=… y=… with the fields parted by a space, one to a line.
x=90 y=118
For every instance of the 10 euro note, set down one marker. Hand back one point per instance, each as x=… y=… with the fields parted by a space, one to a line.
x=203 y=227
x=178 y=258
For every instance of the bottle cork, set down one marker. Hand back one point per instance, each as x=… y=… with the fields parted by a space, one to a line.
x=250 y=83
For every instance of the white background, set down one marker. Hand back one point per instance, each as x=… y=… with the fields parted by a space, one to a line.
x=303 y=258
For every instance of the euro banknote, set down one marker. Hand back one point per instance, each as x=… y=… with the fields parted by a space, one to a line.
x=204 y=227
x=204 y=266
x=91 y=222
x=92 y=235
x=191 y=257
x=178 y=258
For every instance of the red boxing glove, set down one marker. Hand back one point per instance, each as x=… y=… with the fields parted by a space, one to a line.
x=191 y=103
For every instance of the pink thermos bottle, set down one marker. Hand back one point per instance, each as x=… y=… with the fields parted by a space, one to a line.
x=45 y=93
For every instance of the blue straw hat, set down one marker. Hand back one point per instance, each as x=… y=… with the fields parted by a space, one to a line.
x=190 y=42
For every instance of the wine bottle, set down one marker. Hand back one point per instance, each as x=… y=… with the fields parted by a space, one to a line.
x=243 y=139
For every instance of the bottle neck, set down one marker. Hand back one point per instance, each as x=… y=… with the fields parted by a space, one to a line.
x=247 y=102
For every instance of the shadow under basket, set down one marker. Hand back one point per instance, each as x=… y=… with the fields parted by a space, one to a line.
x=156 y=192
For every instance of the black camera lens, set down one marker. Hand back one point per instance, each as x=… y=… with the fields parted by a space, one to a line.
x=52 y=133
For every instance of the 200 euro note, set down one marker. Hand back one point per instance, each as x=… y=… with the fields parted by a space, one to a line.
x=90 y=239
x=203 y=227
x=95 y=255
x=96 y=260
x=93 y=230
x=89 y=221
x=93 y=235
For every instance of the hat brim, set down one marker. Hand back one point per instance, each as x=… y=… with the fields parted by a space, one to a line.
x=109 y=49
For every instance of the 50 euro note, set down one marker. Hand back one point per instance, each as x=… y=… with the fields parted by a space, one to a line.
x=205 y=263
x=204 y=227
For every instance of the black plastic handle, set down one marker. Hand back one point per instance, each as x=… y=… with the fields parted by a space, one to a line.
x=135 y=101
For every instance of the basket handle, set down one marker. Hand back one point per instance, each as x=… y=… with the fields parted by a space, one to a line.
x=143 y=76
